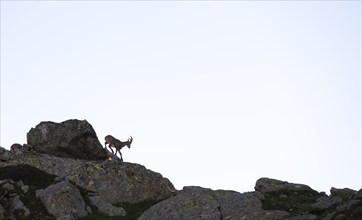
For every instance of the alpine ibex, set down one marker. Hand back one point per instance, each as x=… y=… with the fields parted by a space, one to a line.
x=117 y=144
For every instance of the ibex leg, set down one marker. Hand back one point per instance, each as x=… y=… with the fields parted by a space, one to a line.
x=111 y=149
x=120 y=154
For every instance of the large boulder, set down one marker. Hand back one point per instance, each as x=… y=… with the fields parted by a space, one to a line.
x=191 y=203
x=115 y=181
x=265 y=185
x=345 y=193
x=63 y=200
x=297 y=199
x=200 y=203
x=70 y=139
x=122 y=182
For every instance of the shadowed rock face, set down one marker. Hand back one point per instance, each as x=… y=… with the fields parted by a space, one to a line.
x=69 y=139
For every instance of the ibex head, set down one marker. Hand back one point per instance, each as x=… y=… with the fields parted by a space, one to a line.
x=130 y=139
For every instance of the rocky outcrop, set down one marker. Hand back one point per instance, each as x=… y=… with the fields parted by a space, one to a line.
x=115 y=181
x=273 y=199
x=68 y=188
x=302 y=202
x=201 y=203
x=49 y=177
x=70 y=139
x=66 y=173
x=191 y=203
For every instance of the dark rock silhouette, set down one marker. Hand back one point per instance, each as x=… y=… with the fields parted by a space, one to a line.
x=70 y=139
x=63 y=172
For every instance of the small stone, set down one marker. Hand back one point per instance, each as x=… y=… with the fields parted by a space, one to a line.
x=25 y=188
x=8 y=186
x=283 y=196
x=20 y=183
x=88 y=209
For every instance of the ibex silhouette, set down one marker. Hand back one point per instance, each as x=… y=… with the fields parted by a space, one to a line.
x=117 y=144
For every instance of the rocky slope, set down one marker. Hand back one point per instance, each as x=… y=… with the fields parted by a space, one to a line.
x=63 y=172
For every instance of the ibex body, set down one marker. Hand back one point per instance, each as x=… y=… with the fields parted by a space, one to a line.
x=117 y=144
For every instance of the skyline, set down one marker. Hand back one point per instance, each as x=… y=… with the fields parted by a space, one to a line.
x=216 y=94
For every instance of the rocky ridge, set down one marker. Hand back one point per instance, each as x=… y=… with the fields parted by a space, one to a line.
x=63 y=172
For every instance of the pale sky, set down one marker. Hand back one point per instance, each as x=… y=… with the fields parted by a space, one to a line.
x=215 y=94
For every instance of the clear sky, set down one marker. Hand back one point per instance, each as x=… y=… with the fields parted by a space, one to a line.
x=215 y=94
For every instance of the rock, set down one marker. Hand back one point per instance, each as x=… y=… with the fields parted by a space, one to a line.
x=122 y=182
x=192 y=203
x=69 y=139
x=63 y=200
x=2 y=212
x=341 y=217
x=18 y=205
x=200 y=203
x=27 y=147
x=265 y=185
x=115 y=181
x=303 y=217
x=16 y=148
x=348 y=206
x=280 y=195
x=329 y=216
x=345 y=193
x=106 y=207
x=358 y=195
x=8 y=187
x=61 y=160
x=325 y=202
x=20 y=183
x=25 y=188
x=5 y=155
x=234 y=205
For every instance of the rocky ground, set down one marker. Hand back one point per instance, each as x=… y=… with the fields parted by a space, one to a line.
x=63 y=172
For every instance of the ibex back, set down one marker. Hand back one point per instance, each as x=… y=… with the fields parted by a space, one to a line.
x=117 y=144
